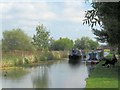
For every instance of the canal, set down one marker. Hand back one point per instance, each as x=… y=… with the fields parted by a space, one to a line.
x=60 y=74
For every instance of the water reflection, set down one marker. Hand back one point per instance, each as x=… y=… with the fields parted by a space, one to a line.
x=65 y=75
x=75 y=65
x=14 y=73
x=57 y=75
x=40 y=77
x=12 y=78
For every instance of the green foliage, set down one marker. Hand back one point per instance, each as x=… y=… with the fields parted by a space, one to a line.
x=18 y=62
x=44 y=56
x=102 y=77
x=26 y=60
x=16 y=39
x=86 y=43
x=109 y=56
x=42 y=38
x=51 y=55
x=16 y=59
x=35 y=60
x=10 y=59
x=107 y=15
x=62 y=44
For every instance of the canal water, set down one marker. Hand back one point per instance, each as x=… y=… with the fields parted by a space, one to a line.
x=56 y=75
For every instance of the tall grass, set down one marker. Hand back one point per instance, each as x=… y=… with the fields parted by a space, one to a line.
x=24 y=58
x=51 y=55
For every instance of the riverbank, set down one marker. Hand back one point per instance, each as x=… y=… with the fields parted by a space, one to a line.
x=103 y=77
x=29 y=65
x=25 y=59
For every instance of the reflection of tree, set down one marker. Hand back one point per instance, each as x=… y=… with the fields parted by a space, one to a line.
x=15 y=73
x=41 y=78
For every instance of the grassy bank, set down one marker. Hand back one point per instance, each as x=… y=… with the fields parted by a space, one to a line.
x=24 y=59
x=103 y=77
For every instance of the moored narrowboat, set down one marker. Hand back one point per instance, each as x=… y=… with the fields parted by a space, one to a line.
x=75 y=56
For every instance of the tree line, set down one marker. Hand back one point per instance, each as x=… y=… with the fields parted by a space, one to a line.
x=16 y=39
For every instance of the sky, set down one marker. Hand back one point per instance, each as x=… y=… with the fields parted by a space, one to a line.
x=62 y=18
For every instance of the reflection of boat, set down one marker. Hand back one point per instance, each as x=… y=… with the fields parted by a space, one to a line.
x=75 y=56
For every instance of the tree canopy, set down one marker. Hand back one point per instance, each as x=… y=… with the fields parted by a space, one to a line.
x=85 y=43
x=42 y=37
x=62 y=44
x=16 y=39
x=107 y=16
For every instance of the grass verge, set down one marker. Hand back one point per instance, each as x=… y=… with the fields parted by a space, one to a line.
x=102 y=77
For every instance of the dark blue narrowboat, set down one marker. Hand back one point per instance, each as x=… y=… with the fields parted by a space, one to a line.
x=75 y=56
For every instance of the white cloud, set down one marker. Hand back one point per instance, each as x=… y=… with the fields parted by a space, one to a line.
x=27 y=11
x=67 y=14
x=74 y=11
x=49 y=15
x=43 y=0
x=4 y=7
x=76 y=1
x=30 y=13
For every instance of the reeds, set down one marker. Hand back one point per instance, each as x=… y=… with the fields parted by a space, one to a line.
x=10 y=59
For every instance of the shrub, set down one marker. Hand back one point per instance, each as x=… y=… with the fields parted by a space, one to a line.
x=19 y=62
x=109 y=56
x=25 y=60
x=34 y=60
x=49 y=56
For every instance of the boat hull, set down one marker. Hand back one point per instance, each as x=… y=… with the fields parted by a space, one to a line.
x=74 y=58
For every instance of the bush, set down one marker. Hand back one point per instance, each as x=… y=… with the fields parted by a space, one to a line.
x=56 y=55
x=49 y=56
x=64 y=54
x=109 y=56
x=25 y=60
x=18 y=62
x=13 y=59
x=35 y=60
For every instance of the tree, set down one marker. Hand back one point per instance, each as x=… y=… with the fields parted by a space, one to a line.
x=42 y=38
x=85 y=43
x=16 y=39
x=62 y=44
x=81 y=43
x=93 y=44
x=107 y=15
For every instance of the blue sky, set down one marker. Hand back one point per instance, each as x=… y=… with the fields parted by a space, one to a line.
x=63 y=18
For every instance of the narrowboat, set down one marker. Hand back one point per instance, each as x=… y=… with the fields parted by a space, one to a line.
x=74 y=56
